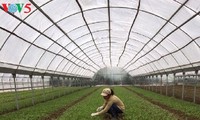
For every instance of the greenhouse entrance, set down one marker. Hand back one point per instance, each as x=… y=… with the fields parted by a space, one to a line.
x=112 y=76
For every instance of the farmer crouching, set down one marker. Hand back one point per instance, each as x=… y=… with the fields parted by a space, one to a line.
x=112 y=106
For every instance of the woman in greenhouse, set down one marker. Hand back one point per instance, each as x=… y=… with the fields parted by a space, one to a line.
x=113 y=107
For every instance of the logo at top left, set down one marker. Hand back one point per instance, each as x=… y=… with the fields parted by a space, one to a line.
x=20 y=7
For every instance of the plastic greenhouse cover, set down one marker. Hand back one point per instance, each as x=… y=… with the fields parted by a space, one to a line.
x=80 y=37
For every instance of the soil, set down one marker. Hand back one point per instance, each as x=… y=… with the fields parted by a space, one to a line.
x=177 y=113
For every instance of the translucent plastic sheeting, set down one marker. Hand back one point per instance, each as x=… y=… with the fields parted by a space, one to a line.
x=80 y=37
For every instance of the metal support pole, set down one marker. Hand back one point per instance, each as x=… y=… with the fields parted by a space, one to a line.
x=63 y=82
x=67 y=82
x=43 y=86
x=28 y=84
x=153 y=77
x=167 y=84
x=149 y=82
x=16 y=93
x=38 y=81
x=2 y=83
x=70 y=82
x=33 y=94
x=59 y=86
x=52 y=88
x=156 y=83
x=152 y=83
x=23 y=82
x=10 y=83
x=183 y=86
x=2 y=96
x=80 y=82
x=161 y=83
x=195 y=86
x=63 y=86
x=51 y=82
x=174 y=84
x=146 y=82
x=75 y=82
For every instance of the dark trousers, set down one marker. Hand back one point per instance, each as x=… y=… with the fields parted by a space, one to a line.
x=114 y=110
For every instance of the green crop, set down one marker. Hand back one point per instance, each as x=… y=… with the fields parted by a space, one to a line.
x=8 y=103
x=187 y=107
x=43 y=109
x=136 y=108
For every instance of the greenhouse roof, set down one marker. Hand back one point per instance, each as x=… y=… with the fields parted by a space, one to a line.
x=80 y=37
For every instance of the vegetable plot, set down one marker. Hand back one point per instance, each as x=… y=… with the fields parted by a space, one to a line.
x=183 y=108
x=140 y=105
x=29 y=98
x=42 y=110
x=136 y=108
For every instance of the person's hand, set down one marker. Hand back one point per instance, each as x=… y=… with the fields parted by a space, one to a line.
x=94 y=114
x=99 y=108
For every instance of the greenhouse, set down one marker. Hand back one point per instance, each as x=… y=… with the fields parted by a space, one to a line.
x=61 y=59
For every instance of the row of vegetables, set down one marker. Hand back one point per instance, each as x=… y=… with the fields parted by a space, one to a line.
x=43 y=109
x=10 y=100
x=136 y=106
x=186 y=107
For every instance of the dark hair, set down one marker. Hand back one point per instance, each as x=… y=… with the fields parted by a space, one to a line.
x=112 y=92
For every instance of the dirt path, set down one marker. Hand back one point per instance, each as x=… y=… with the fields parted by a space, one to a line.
x=54 y=115
x=177 y=113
